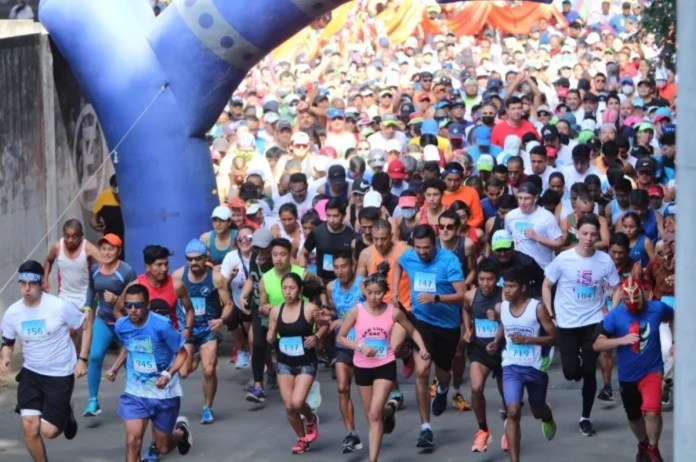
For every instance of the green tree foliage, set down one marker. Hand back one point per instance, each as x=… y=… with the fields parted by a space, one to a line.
x=660 y=18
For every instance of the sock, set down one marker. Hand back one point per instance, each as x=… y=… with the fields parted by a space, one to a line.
x=440 y=391
x=353 y=433
x=483 y=426
x=426 y=426
x=456 y=391
x=584 y=418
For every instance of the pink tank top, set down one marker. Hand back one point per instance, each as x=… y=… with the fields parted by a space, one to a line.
x=375 y=332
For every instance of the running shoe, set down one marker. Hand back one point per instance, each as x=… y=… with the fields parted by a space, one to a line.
x=388 y=417
x=301 y=446
x=642 y=452
x=459 y=402
x=243 y=358
x=256 y=395
x=93 y=409
x=398 y=398
x=605 y=394
x=503 y=414
x=548 y=429
x=586 y=428
x=70 y=429
x=271 y=380
x=425 y=439
x=207 y=416
x=186 y=440
x=433 y=388
x=667 y=392
x=409 y=366
x=481 y=441
x=503 y=443
x=235 y=354
x=653 y=454
x=351 y=443
x=152 y=454
x=439 y=404
x=311 y=428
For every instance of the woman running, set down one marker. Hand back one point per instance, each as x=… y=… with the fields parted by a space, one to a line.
x=291 y=327
x=374 y=361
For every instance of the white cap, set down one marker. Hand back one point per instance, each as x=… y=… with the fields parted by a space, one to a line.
x=320 y=163
x=592 y=38
x=246 y=140
x=512 y=143
x=430 y=152
x=222 y=212
x=271 y=117
x=253 y=208
x=300 y=138
x=588 y=124
x=372 y=199
x=393 y=145
x=256 y=171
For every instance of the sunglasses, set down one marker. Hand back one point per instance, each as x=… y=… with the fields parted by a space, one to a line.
x=449 y=227
x=136 y=305
x=244 y=239
x=543 y=114
x=301 y=146
x=426 y=81
x=298 y=191
x=337 y=118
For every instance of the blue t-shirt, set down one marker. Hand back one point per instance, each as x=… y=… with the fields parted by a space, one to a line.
x=114 y=283
x=489 y=210
x=152 y=348
x=633 y=365
x=434 y=277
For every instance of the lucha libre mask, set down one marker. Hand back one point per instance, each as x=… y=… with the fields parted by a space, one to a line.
x=632 y=294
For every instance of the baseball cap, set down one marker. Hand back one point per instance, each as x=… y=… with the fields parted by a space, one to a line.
x=485 y=163
x=455 y=130
x=645 y=126
x=626 y=81
x=334 y=113
x=512 y=144
x=544 y=108
x=501 y=240
x=328 y=151
x=562 y=82
x=390 y=119
x=270 y=106
x=407 y=202
x=337 y=174
x=646 y=163
x=376 y=158
x=482 y=136
x=431 y=152
x=549 y=132
x=221 y=212
x=396 y=170
x=261 y=238
x=372 y=199
x=360 y=187
x=300 y=138
x=253 y=208
x=283 y=125
x=415 y=118
x=638 y=102
x=196 y=247
x=110 y=238
x=656 y=191
x=246 y=141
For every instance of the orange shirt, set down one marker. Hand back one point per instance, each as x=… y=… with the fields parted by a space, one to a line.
x=470 y=197
x=404 y=285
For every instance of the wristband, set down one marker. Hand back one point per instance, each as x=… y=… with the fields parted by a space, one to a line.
x=82 y=359
x=188 y=328
x=166 y=374
x=358 y=347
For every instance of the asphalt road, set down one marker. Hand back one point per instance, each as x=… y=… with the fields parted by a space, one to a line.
x=247 y=432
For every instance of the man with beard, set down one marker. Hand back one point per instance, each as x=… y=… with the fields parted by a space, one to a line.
x=298 y=194
x=208 y=292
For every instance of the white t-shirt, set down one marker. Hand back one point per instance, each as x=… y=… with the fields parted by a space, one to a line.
x=564 y=157
x=229 y=263
x=580 y=286
x=44 y=333
x=544 y=176
x=572 y=176
x=302 y=208
x=540 y=220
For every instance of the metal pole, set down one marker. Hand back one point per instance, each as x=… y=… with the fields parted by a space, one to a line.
x=685 y=372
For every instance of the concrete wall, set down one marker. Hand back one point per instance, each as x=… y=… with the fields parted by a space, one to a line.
x=50 y=147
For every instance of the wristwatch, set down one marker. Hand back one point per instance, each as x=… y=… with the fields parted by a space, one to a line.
x=437 y=299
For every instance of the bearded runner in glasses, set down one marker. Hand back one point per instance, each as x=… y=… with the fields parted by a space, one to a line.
x=155 y=352
x=208 y=292
x=437 y=294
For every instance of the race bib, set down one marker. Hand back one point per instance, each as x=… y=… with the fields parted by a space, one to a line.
x=144 y=363
x=381 y=345
x=485 y=328
x=521 y=354
x=34 y=329
x=291 y=346
x=327 y=264
x=669 y=300
x=424 y=282
x=520 y=228
x=585 y=294
x=199 y=306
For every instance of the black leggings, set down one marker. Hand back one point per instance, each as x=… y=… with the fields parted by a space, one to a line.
x=580 y=361
x=259 y=348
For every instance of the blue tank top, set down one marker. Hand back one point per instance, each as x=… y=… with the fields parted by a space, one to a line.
x=205 y=300
x=649 y=224
x=616 y=212
x=344 y=300
x=217 y=255
x=637 y=253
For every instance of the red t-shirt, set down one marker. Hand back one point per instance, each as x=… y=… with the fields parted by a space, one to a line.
x=503 y=129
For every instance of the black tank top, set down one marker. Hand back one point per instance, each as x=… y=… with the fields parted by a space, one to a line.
x=406 y=232
x=290 y=340
x=359 y=247
x=479 y=308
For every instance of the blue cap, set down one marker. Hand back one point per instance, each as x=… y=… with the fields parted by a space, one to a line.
x=482 y=136
x=626 y=81
x=570 y=118
x=638 y=102
x=429 y=127
x=455 y=130
x=333 y=112
x=196 y=247
x=663 y=112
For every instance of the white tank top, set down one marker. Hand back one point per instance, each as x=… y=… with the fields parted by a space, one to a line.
x=73 y=275
x=528 y=325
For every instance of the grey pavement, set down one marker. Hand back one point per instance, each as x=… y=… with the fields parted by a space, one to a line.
x=247 y=432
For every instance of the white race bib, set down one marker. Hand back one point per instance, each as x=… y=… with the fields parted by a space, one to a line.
x=522 y=354
x=144 y=363
x=381 y=345
x=199 y=306
x=291 y=346
x=424 y=282
x=34 y=329
x=327 y=264
x=485 y=328
x=585 y=294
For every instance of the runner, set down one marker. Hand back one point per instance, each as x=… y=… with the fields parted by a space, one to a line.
x=106 y=283
x=375 y=363
x=43 y=325
x=581 y=273
x=437 y=292
x=212 y=307
x=633 y=329
x=480 y=326
x=154 y=351
x=74 y=256
x=344 y=293
x=291 y=329
x=529 y=335
x=220 y=239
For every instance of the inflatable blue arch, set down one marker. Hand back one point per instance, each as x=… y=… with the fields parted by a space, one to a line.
x=173 y=75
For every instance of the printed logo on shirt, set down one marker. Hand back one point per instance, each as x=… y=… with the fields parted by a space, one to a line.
x=585 y=290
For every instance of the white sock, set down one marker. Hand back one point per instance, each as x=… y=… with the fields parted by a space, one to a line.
x=425 y=426
x=440 y=390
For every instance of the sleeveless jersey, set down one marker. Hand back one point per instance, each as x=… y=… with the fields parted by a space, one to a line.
x=405 y=284
x=345 y=299
x=205 y=300
x=526 y=324
x=484 y=328
x=217 y=255
x=375 y=332
x=163 y=298
x=73 y=275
